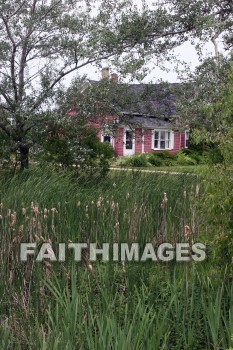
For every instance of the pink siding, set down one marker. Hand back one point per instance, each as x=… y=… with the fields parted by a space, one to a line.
x=138 y=140
x=119 y=142
x=183 y=140
x=148 y=141
x=176 y=142
x=179 y=140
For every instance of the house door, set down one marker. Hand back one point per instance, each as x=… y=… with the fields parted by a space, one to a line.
x=129 y=144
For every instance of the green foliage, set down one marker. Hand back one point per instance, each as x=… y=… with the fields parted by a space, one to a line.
x=104 y=149
x=165 y=155
x=77 y=308
x=137 y=160
x=196 y=154
x=183 y=159
x=155 y=160
x=77 y=146
x=217 y=199
x=6 y=147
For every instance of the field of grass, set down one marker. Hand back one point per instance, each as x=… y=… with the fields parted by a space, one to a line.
x=107 y=305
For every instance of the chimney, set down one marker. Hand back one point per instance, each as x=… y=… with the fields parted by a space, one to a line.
x=105 y=73
x=114 y=77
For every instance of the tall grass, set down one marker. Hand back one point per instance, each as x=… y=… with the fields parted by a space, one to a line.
x=106 y=305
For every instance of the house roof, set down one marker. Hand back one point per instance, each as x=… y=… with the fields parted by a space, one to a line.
x=146 y=121
x=145 y=100
x=154 y=99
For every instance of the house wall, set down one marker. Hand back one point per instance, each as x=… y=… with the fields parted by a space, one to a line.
x=143 y=143
x=177 y=142
x=148 y=141
x=119 y=142
x=138 y=140
x=182 y=140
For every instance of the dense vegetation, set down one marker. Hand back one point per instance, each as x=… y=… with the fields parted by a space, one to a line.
x=99 y=305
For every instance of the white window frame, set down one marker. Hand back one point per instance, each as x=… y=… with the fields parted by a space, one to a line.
x=111 y=138
x=186 y=138
x=171 y=140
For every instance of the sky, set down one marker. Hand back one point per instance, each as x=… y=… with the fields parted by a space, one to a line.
x=186 y=53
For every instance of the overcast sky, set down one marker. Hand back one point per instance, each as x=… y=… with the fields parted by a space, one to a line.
x=185 y=52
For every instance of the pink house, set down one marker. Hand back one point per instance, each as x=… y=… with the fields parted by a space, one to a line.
x=145 y=134
x=147 y=124
x=150 y=125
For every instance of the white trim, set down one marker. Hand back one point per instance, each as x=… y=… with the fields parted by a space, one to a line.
x=171 y=141
x=143 y=141
x=186 y=138
x=128 y=152
x=111 y=138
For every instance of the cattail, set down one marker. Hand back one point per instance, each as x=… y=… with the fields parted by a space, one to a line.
x=187 y=230
x=13 y=218
x=185 y=194
x=78 y=204
x=23 y=211
x=99 y=202
x=0 y=217
x=127 y=195
x=165 y=197
x=45 y=211
x=1 y=206
x=32 y=205
x=36 y=210
x=8 y=212
x=114 y=184
x=197 y=190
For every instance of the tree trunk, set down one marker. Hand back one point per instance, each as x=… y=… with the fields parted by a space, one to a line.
x=24 y=157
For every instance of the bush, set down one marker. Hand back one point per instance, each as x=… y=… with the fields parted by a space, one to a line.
x=183 y=159
x=104 y=149
x=155 y=160
x=214 y=155
x=165 y=155
x=136 y=161
x=196 y=155
x=79 y=147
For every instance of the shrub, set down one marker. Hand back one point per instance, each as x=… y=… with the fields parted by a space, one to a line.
x=183 y=159
x=196 y=155
x=164 y=155
x=214 y=155
x=136 y=161
x=104 y=149
x=155 y=160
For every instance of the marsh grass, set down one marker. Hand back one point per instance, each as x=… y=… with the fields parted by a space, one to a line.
x=106 y=305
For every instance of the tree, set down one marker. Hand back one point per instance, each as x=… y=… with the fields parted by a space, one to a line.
x=42 y=42
x=208 y=19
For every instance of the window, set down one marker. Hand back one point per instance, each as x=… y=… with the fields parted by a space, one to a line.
x=107 y=138
x=186 y=145
x=162 y=139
